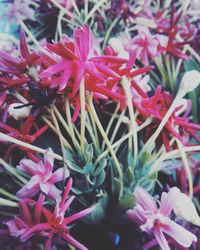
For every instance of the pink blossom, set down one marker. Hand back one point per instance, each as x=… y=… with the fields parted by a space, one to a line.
x=156 y=220
x=146 y=45
x=42 y=178
x=56 y=224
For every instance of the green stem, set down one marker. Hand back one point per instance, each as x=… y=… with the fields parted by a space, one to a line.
x=13 y=171
x=127 y=89
x=117 y=165
x=9 y=195
x=4 y=202
x=83 y=114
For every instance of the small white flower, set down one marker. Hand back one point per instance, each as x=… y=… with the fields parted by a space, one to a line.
x=118 y=47
x=19 y=113
x=190 y=81
x=186 y=210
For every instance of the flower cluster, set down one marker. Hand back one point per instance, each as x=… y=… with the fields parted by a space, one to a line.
x=104 y=95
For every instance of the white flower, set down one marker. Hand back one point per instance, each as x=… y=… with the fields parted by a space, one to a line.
x=118 y=47
x=186 y=210
x=190 y=81
x=19 y=113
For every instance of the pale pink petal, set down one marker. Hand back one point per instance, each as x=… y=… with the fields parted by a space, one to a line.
x=54 y=193
x=138 y=215
x=24 y=192
x=178 y=233
x=168 y=201
x=45 y=187
x=58 y=175
x=28 y=166
x=145 y=200
x=161 y=239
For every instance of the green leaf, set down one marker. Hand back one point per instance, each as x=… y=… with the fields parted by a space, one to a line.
x=146 y=156
x=191 y=65
x=97 y=215
x=88 y=168
x=130 y=159
x=130 y=175
x=100 y=178
x=127 y=202
x=117 y=187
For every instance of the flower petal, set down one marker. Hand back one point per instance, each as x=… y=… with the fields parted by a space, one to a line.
x=145 y=200
x=178 y=233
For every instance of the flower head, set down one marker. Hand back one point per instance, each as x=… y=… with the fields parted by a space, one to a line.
x=156 y=220
x=43 y=178
x=56 y=224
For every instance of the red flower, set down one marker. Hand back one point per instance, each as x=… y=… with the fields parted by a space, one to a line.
x=156 y=107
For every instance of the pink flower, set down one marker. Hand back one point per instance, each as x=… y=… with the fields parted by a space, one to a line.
x=146 y=45
x=157 y=221
x=77 y=59
x=43 y=178
x=56 y=224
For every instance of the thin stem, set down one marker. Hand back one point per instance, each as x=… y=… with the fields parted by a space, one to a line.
x=59 y=6
x=109 y=31
x=117 y=165
x=127 y=89
x=69 y=120
x=121 y=140
x=186 y=166
x=9 y=195
x=29 y=146
x=61 y=144
x=153 y=138
x=28 y=32
x=12 y=171
x=54 y=129
x=94 y=9
x=113 y=116
x=8 y=203
x=83 y=114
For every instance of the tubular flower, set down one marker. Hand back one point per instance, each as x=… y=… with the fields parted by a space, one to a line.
x=77 y=59
x=42 y=178
x=178 y=125
x=56 y=224
x=157 y=221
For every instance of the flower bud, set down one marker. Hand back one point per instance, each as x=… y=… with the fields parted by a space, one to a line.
x=186 y=210
x=190 y=81
x=18 y=113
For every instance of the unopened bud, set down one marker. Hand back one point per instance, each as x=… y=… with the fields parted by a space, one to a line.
x=18 y=113
x=186 y=210
x=190 y=81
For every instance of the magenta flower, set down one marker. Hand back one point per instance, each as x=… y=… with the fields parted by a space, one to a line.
x=56 y=225
x=146 y=45
x=76 y=59
x=157 y=221
x=42 y=178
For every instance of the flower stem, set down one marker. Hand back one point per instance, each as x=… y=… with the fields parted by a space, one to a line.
x=69 y=120
x=61 y=144
x=126 y=86
x=5 y=202
x=29 y=146
x=9 y=195
x=186 y=166
x=83 y=114
x=12 y=171
x=28 y=32
x=117 y=165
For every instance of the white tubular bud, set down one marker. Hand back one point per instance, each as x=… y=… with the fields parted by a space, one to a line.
x=116 y=44
x=19 y=113
x=190 y=81
x=186 y=210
